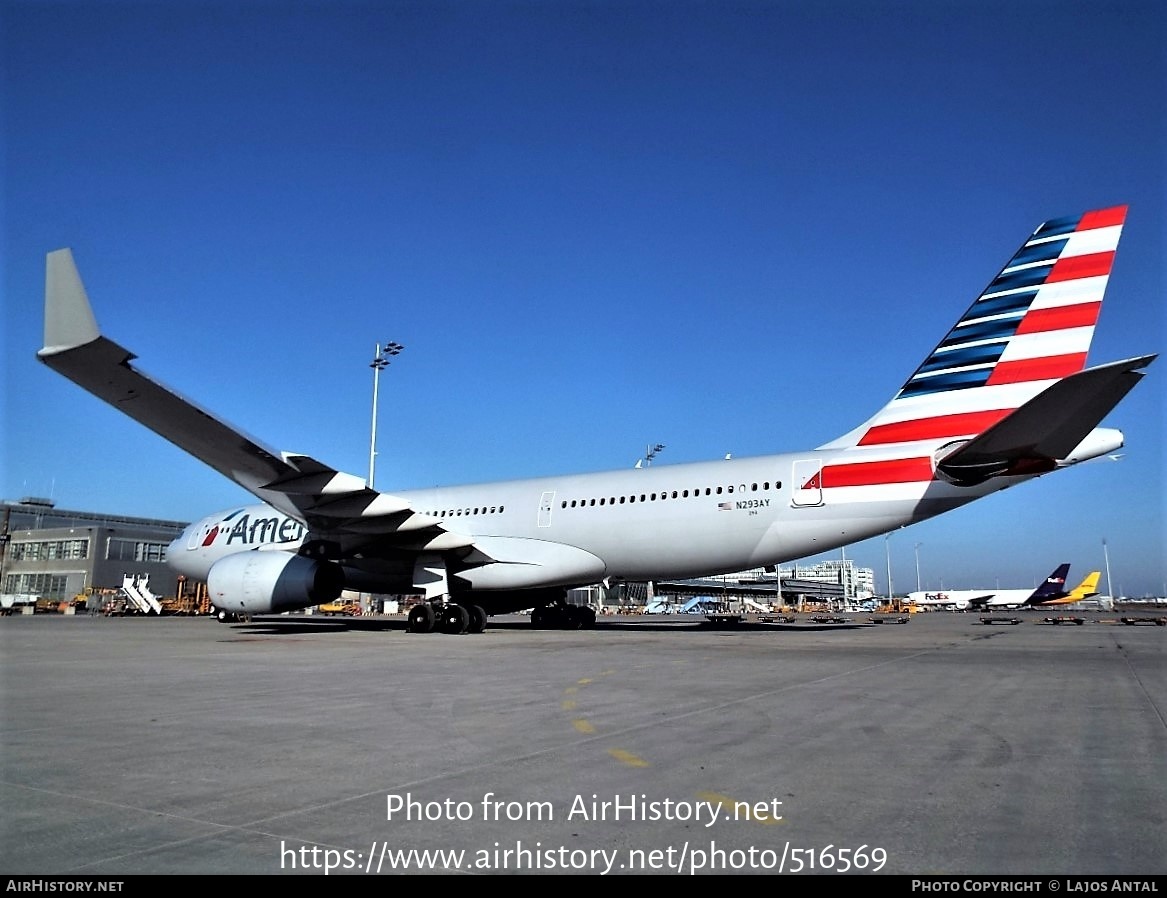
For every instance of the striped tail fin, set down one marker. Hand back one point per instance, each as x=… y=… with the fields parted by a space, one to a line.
x=1030 y=327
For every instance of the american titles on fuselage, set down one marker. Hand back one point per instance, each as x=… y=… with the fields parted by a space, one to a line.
x=248 y=530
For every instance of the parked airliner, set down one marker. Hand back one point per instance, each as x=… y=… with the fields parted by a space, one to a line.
x=1050 y=589
x=1005 y=397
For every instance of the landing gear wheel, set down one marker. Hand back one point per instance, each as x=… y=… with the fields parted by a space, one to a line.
x=572 y=618
x=477 y=618
x=543 y=617
x=421 y=618
x=456 y=620
x=223 y=615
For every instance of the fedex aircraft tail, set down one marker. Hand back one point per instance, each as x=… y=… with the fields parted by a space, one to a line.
x=982 y=390
x=1053 y=588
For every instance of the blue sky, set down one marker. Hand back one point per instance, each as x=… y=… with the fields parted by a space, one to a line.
x=725 y=227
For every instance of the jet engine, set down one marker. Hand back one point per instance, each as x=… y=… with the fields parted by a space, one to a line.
x=272 y=582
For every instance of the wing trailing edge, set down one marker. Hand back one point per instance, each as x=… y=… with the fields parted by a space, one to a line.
x=297 y=485
x=1046 y=430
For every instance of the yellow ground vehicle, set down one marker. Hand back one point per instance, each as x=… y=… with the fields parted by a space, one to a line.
x=348 y=609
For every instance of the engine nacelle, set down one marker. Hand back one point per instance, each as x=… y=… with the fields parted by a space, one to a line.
x=272 y=582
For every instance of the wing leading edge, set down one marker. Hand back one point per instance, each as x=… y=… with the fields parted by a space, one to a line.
x=298 y=485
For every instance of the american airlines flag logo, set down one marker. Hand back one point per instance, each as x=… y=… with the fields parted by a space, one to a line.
x=725 y=506
x=1053 y=286
x=1031 y=326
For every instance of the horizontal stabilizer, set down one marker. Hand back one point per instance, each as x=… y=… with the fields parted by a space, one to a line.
x=1045 y=429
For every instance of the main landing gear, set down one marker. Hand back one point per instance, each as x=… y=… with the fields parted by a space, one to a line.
x=446 y=617
x=562 y=616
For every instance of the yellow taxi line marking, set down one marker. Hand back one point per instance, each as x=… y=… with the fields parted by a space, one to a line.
x=627 y=757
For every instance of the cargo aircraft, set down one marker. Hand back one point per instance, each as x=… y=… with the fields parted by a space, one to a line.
x=1005 y=397
x=1051 y=589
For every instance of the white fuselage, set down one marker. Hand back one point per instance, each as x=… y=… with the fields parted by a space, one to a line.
x=964 y=599
x=667 y=521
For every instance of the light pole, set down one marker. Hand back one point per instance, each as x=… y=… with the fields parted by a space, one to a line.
x=1106 y=560
x=918 y=566
x=843 y=572
x=381 y=359
x=652 y=452
x=887 y=552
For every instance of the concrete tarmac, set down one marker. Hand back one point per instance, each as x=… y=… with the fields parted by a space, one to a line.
x=941 y=746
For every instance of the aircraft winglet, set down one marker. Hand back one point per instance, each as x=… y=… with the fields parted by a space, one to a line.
x=69 y=320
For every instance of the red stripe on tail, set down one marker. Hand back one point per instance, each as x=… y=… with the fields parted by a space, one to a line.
x=933 y=428
x=1083 y=314
x=1070 y=268
x=1103 y=218
x=1047 y=368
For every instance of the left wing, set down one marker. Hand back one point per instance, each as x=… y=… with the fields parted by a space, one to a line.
x=327 y=500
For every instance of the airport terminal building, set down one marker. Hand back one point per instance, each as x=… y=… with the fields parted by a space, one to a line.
x=58 y=554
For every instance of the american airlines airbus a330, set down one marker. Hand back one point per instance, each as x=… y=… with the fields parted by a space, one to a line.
x=1005 y=397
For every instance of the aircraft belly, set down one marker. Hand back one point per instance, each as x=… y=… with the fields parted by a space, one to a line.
x=528 y=563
